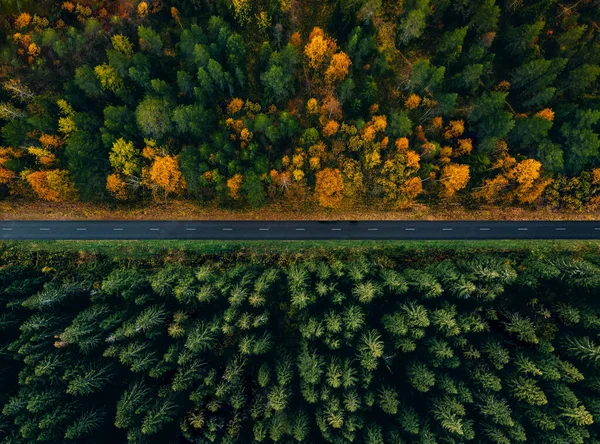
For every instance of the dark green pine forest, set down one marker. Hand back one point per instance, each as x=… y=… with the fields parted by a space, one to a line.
x=332 y=103
x=451 y=347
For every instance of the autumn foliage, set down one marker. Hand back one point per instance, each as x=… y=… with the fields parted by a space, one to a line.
x=329 y=187
x=413 y=101
x=338 y=67
x=379 y=103
x=116 y=185
x=234 y=185
x=235 y=105
x=516 y=181
x=454 y=178
x=52 y=185
x=166 y=177
x=318 y=47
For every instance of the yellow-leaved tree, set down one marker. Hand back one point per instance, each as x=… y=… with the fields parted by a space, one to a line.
x=398 y=179
x=529 y=183
x=318 y=47
x=338 y=68
x=454 y=178
x=520 y=181
x=124 y=159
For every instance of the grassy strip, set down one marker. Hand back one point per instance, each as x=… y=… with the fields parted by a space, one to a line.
x=142 y=249
x=68 y=256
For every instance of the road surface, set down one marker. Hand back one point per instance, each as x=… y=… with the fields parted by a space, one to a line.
x=296 y=230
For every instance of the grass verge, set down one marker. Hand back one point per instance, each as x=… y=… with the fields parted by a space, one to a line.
x=143 y=249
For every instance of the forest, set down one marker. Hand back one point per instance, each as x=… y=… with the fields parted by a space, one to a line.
x=251 y=347
x=329 y=103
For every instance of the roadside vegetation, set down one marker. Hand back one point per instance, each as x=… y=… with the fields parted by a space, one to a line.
x=337 y=104
x=158 y=252
x=389 y=344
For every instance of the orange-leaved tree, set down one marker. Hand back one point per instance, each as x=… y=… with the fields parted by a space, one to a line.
x=52 y=185
x=411 y=188
x=329 y=187
x=235 y=105
x=165 y=177
x=413 y=101
x=7 y=175
x=116 y=185
x=330 y=128
x=456 y=128
x=338 y=68
x=234 y=185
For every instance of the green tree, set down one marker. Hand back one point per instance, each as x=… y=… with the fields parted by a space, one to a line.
x=451 y=45
x=87 y=80
x=534 y=80
x=490 y=119
x=420 y=377
x=153 y=117
x=520 y=39
x=149 y=41
x=119 y=122
x=581 y=142
x=278 y=84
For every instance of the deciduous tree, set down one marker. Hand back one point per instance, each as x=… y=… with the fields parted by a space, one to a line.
x=166 y=176
x=454 y=177
x=338 y=67
x=234 y=185
x=52 y=185
x=329 y=187
x=318 y=47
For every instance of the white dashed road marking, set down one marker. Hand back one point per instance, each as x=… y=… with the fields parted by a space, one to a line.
x=539 y=229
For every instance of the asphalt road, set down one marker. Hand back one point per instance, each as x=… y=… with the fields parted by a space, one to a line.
x=296 y=230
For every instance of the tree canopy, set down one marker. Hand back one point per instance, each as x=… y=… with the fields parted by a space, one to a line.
x=401 y=346
x=278 y=95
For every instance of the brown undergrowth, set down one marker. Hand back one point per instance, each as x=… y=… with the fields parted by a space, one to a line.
x=189 y=210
